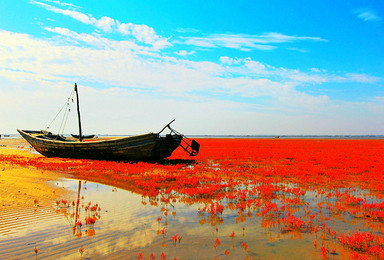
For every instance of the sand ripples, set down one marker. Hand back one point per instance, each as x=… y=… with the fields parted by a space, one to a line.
x=52 y=230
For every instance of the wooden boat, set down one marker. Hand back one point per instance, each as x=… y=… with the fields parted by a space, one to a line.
x=141 y=147
x=151 y=146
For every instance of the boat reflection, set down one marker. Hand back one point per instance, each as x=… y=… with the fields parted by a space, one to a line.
x=80 y=215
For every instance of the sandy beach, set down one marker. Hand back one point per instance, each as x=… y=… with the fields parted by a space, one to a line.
x=25 y=186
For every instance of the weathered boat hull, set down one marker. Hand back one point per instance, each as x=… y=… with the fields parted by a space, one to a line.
x=83 y=137
x=141 y=147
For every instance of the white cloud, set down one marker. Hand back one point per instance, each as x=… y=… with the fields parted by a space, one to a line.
x=227 y=60
x=246 y=42
x=201 y=42
x=147 y=35
x=137 y=80
x=362 y=78
x=142 y=33
x=302 y=77
x=61 y=3
x=249 y=67
x=254 y=66
x=141 y=113
x=368 y=15
x=112 y=64
x=273 y=37
x=86 y=38
x=74 y=14
x=105 y=23
x=227 y=41
x=184 y=53
x=315 y=70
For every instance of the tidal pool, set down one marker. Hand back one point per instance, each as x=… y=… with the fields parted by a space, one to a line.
x=127 y=225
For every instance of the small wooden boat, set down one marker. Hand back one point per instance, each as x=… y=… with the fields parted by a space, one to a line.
x=151 y=146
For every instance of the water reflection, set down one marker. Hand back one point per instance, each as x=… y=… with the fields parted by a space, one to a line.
x=110 y=221
x=127 y=224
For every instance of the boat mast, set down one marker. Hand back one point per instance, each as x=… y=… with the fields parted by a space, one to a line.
x=77 y=207
x=78 y=113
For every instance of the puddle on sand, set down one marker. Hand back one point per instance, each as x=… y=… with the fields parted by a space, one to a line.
x=116 y=223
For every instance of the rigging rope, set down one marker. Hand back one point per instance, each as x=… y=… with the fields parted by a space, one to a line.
x=65 y=117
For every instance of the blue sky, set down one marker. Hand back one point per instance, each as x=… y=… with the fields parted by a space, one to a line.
x=217 y=67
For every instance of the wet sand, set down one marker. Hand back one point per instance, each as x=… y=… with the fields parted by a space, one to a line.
x=25 y=186
x=27 y=197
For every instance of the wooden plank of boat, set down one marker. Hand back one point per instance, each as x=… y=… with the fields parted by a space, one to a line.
x=149 y=146
x=83 y=136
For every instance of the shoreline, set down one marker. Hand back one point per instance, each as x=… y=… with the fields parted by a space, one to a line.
x=229 y=136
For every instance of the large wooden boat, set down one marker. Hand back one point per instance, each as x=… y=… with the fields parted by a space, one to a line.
x=151 y=146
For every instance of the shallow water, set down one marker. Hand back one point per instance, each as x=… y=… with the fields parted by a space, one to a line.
x=282 y=199
x=127 y=225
